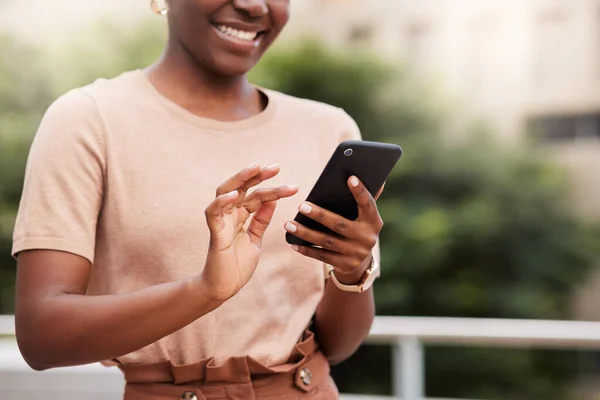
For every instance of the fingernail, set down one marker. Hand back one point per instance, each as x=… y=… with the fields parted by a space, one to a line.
x=354 y=181
x=292 y=186
x=305 y=208
x=274 y=166
x=295 y=248
x=232 y=194
x=290 y=227
x=253 y=165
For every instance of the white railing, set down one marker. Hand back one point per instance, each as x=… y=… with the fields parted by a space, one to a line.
x=7 y=325
x=409 y=335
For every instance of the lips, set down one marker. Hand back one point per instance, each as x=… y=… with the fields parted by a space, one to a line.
x=247 y=35
x=239 y=37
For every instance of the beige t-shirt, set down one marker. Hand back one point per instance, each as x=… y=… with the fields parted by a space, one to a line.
x=120 y=175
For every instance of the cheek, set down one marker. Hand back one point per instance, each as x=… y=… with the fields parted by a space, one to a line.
x=186 y=15
x=280 y=13
x=205 y=6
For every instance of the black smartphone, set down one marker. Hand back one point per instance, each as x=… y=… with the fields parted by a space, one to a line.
x=371 y=162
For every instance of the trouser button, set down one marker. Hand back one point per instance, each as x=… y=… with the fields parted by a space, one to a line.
x=306 y=376
x=188 y=396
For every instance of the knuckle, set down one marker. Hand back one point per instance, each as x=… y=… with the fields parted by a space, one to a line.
x=364 y=253
x=379 y=222
x=327 y=242
x=364 y=192
x=261 y=223
x=372 y=241
x=371 y=202
x=320 y=215
x=321 y=257
x=262 y=197
x=273 y=195
x=339 y=225
x=355 y=263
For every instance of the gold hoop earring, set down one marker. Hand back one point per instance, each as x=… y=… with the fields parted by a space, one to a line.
x=157 y=9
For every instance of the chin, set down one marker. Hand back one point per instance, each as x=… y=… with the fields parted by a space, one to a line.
x=232 y=66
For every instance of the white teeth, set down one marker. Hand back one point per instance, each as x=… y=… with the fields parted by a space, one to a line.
x=249 y=36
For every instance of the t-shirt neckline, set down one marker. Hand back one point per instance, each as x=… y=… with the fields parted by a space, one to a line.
x=251 y=122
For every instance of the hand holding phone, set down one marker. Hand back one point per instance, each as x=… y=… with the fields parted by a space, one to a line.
x=370 y=162
x=339 y=223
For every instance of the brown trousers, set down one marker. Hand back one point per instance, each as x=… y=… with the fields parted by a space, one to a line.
x=304 y=377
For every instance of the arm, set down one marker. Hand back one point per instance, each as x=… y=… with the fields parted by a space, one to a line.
x=58 y=325
x=343 y=319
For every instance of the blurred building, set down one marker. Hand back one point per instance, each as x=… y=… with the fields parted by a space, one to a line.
x=527 y=67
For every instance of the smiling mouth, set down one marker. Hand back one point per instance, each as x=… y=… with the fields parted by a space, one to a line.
x=238 y=34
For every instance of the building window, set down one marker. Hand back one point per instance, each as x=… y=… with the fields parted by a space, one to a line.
x=360 y=34
x=565 y=128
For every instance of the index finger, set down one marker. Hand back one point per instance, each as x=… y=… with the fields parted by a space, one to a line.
x=247 y=178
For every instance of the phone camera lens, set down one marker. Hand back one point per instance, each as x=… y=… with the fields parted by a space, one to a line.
x=348 y=152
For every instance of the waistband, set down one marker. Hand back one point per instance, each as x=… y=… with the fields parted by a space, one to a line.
x=235 y=369
x=237 y=378
x=310 y=378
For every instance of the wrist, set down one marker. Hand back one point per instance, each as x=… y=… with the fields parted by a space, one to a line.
x=203 y=298
x=354 y=277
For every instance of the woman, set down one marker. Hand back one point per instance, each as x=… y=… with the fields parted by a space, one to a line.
x=117 y=263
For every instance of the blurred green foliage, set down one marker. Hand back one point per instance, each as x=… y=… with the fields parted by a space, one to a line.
x=472 y=228
x=24 y=96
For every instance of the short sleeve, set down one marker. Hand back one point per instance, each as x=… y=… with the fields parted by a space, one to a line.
x=351 y=131
x=64 y=180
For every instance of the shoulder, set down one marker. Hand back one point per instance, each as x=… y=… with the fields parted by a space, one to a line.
x=82 y=103
x=306 y=107
x=112 y=89
x=75 y=119
x=335 y=119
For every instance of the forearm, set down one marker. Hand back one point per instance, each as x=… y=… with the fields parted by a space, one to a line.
x=75 y=329
x=343 y=320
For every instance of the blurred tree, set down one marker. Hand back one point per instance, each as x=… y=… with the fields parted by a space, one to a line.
x=24 y=95
x=31 y=80
x=105 y=51
x=472 y=229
